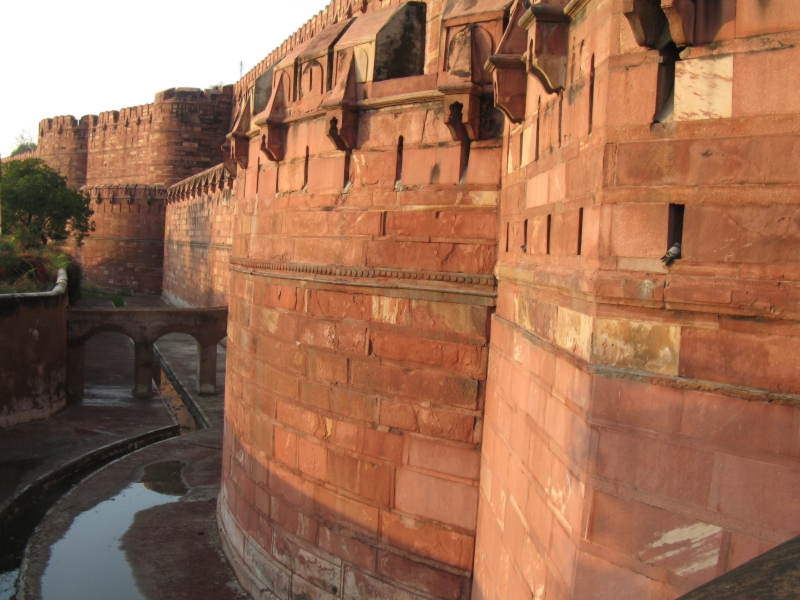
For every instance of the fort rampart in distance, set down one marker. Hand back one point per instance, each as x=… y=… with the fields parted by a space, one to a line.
x=457 y=367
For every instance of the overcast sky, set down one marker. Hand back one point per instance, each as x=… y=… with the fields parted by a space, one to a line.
x=81 y=57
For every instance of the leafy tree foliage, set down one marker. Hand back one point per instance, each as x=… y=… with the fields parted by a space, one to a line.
x=38 y=207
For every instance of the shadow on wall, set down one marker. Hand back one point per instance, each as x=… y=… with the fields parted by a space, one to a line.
x=315 y=542
x=122 y=264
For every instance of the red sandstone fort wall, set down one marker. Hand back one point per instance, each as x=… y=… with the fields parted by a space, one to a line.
x=641 y=422
x=457 y=366
x=198 y=239
x=361 y=291
x=126 y=159
x=126 y=249
x=175 y=137
x=639 y=432
x=33 y=372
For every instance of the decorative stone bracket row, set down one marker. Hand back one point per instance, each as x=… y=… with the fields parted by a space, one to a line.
x=145 y=326
x=219 y=177
x=129 y=193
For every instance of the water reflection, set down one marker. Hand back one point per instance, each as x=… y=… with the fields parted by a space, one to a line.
x=7 y=581
x=87 y=563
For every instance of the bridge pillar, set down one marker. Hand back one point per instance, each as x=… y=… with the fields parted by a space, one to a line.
x=75 y=378
x=206 y=369
x=143 y=370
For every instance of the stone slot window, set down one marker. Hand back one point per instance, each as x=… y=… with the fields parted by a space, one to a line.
x=524 y=246
x=398 y=175
x=508 y=234
x=580 y=215
x=305 y=170
x=591 y=104
x=538 y=125
x=675 y=228
x=549 y=229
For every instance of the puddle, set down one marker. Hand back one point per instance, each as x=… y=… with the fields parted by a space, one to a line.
x=7 y=581
x=87 y=563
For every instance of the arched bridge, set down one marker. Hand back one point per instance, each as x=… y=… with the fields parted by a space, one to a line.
x=145 y=326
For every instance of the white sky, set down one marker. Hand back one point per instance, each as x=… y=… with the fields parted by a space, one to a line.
x=80 y=57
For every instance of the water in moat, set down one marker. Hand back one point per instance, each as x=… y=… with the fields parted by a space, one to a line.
x=7 y=582
x=88 y=562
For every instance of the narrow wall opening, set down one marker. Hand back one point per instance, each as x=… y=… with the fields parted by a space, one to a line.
x=305 y=170
x=398 y=172
x=675 y=228
x=549 y=228
x=591 y=98
x=524 y=246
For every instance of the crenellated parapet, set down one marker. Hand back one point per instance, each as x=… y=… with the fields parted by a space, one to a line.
x=163 y=142
x=335 y=12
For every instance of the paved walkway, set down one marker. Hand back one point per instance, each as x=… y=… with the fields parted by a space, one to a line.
x=157 y=504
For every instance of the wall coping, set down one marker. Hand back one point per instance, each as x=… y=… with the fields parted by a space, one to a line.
x=59 y=289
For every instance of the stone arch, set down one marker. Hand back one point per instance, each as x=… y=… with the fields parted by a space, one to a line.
x=483 y=47
x=145 y=326
x=312 y=79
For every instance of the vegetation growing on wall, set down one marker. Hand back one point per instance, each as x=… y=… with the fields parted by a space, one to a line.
x=35 y=270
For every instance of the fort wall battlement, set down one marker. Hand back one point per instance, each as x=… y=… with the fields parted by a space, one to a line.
x=125 y=159
x=457 y=365
x=126 y=249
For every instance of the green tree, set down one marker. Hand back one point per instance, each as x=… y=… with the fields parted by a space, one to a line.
x=38 y=207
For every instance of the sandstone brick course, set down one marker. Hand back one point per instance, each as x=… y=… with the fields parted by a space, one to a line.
x=454 y=353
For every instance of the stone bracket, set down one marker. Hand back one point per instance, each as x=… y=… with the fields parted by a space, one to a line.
x=656 y=23
x=548 y=29
x=648 y=22
x=238 y=147
x=341 y=113
x=681 y=17
x=343 y=128
x=507 y=67
x=271 y=132
x=462 y=105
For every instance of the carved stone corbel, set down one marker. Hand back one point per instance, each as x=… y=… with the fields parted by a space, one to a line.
x=507 y=67
x=270 y=121
x=648 y=23
x=462 y=105
x=681 y=17
x=237 y=147
x=462 y=96
x=341 y=108
x=271 y=139
x=548 y=28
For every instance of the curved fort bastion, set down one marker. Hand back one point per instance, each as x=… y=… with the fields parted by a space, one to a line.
x=457 y=365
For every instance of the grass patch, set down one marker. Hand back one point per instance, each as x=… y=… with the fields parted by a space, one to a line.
x=117 y=297
x=25 y=271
